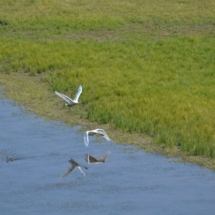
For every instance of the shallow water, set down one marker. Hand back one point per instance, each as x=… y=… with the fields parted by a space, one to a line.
x=130 y=182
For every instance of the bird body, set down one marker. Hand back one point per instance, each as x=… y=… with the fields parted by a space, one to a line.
x=97 y=131
x=74 y=165
x=71 y=102
x=92 y=160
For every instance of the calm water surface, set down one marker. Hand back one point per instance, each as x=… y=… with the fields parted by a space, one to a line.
x=130 y=182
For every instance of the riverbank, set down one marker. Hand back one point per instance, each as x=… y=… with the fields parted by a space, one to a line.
x=38 y=97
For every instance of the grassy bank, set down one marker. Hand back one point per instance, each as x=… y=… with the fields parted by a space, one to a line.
x=146 y=67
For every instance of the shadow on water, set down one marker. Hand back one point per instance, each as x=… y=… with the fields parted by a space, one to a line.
x=130 y=182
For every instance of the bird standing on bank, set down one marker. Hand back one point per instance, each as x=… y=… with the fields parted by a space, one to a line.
x=69 y=101
x=98 y=131
x=74 y=165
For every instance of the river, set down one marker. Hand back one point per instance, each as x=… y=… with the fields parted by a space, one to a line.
x=131 y=181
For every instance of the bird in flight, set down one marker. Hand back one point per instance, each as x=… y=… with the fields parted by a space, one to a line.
x=69 y=101
x=92 y=160
x=74 y=165
x=97 y=131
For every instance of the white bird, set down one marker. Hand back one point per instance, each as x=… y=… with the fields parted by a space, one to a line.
x=98 y=131
x=92 y=160
x=69 y=100
x=74 y=165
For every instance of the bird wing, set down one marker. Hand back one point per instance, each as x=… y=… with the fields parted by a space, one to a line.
x=78 y=94
x=92 y=159
x=101 y=131
x=73 y=162
x=70 y=169
x=64 y=97
x=81 y=171
x=86 y=138
x=92 y=132
x=102 y=159
x=86 y=157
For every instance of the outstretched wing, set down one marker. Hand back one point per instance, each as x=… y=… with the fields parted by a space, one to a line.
x=78 y=94
x=81 y=171
x=70 y=169
x=102 y=159
x=86 y=138
x=92 y=159
x=86 y=157
x=101 y=131
x=64 y=97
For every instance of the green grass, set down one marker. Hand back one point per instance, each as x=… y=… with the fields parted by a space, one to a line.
x=145 y=66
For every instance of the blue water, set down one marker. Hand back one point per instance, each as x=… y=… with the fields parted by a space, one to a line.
x=130 y=182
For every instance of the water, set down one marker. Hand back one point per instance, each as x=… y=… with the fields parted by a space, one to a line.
x=130 y=182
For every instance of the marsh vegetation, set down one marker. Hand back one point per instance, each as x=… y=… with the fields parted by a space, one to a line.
x=145 y=66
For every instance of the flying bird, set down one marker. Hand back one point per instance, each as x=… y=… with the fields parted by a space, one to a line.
x=74 y=165
x=92 y=160
x=69 y=100
x=98 y=131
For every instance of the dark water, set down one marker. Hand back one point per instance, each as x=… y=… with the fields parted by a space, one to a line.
x=130 y=182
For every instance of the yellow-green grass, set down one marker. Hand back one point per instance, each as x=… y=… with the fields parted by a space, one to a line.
x=145 y=66
x=48 y=18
